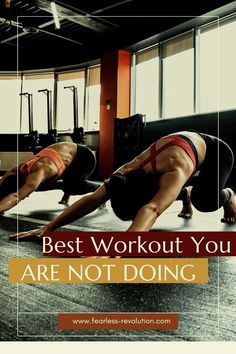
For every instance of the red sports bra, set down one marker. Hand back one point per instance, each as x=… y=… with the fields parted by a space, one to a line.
x=175 y=140
x=47 y=152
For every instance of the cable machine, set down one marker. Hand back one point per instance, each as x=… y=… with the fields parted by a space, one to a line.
x=51 y=137
x=78 y=133
x=33 y=136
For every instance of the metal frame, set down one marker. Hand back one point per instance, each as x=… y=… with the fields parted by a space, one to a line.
x=196 y=46
x=161 y=96
x=196 y=87
x=48 y=93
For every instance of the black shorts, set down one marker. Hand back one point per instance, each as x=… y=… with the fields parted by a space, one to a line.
x=208 y=193
x=80 y=169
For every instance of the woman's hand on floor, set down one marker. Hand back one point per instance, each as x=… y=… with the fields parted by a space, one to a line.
x=22 y=236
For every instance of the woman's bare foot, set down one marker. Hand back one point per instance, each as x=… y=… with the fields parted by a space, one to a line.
x=187 y=210
x=65 y=199
x=230 y=209
x=63 y=202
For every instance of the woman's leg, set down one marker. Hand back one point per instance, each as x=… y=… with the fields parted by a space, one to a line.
x=209 y=192
x=65 y=199
x=187 y=210
x=230 y=209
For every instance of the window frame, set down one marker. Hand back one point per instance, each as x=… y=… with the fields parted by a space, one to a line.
x=86 y=98
x=212 y=21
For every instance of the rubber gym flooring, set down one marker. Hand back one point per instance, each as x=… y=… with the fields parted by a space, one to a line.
x=207 y=311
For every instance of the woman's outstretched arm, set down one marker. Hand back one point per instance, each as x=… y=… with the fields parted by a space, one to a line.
x=30 y=185
x=82 y=207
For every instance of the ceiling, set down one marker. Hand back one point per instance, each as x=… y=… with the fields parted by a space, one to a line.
x=88 y=28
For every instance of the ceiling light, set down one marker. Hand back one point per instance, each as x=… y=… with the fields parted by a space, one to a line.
x=8 y=3
x=55 y=14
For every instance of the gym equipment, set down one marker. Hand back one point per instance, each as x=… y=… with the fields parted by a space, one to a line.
x=51 y=137
x=128 y=135
x=78 y=133
x=32 y=139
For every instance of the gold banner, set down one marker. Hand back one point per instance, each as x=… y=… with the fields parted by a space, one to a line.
x=108 y=270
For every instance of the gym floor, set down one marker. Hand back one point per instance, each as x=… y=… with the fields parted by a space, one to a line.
x=207 y=311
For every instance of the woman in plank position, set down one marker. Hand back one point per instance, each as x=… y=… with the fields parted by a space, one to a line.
x=143 y=188
x=71 y=162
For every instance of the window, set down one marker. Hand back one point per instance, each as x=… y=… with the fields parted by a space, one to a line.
x=178 y=76
x=10 y=104
x=65 y=105
x=31 y=85
x=147 y=83
x=93 y=89
x=217 y=66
